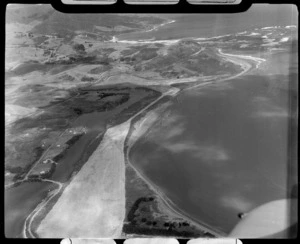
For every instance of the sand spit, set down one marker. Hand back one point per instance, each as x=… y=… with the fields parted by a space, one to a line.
x=93 y=204
x=257 y=60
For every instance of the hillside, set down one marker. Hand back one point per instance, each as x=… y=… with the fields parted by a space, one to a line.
x=184 y=59
x=54 y=22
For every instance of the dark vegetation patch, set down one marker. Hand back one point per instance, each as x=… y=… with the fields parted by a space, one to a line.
x=145 y=54
x=132 y=50
x=39 y=40
x=104 y=51
x=208 y=65
x=29 y=67
x=36 y=95
x=136 y=55
x=184 y=59
x=60 y=68
x=159 y=45
x=52 y=119
x=59 y=115
x=183 y=85
x=140 y=220
x=81 y=105
x=56 y=159
x=100 y=69
x=33 y=88
x=89 y=59
x=45 y=175
x=143 y=216
x=73 y=140
x=76 y=166
x=79 y=48
x=67 y=77
x=53 y=67
x=29 y=160
x=184 y=49
x=87 y=79
x=130 y=110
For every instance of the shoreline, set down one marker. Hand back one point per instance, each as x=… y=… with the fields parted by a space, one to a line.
x=165 y=200
x=171 y=206
x=237 y=59
x=161 y=25
x=155 y=27
x=139 y=128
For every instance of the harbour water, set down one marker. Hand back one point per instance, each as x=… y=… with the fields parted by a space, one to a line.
x=223 y=149
x=209 y=25
x=19 y=202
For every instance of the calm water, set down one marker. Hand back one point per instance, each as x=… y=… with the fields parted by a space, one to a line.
x=223 y=149
x=18 y=205
x=208 y=25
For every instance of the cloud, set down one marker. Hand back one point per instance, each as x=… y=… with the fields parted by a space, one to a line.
x=260 y=99
x=272 y=114
x=237 y=202
x=170 y=125
x=265 y=108
x=172 y=119
x=212 y=153
x=217 y=86
x=208 y=154
x=167 y=136
x=175 y=131
x=181 y=147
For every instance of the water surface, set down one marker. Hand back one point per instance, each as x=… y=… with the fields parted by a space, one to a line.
x=221 y=150
x=20 y=201
x=208 y=25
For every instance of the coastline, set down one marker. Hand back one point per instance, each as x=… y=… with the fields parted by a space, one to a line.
x=238 y=60
x=161 y=25
x=246 y=67
x=64 y=200
x=159 y=92
x=155 y=27
x=162 y=197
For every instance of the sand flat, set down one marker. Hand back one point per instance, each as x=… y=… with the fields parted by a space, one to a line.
x=93 y=204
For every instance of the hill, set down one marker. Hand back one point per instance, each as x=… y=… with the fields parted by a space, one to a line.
x=184 y=59
x=54 y=22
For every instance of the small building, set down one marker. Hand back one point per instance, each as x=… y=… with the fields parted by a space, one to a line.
x=47 y=161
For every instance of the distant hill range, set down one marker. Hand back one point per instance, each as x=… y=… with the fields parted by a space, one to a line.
x=184 y=59
x=47 y=20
